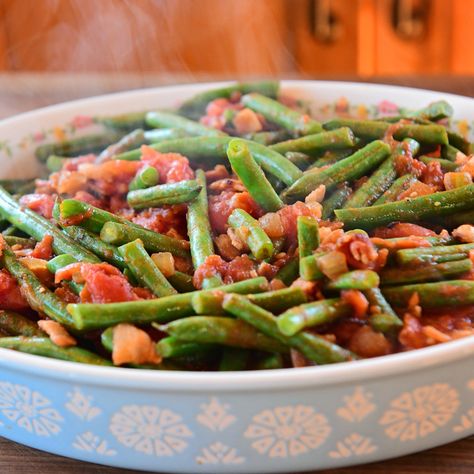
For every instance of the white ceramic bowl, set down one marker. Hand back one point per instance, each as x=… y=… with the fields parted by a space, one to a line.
x=268 y=421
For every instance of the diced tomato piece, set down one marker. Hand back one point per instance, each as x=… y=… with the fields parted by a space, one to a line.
x=172 y=167
x=212 y=266
x=289 y=216
x=10 y=294
x=239 y=269
x=40 y=203
x=44 y=248
x=403 y=229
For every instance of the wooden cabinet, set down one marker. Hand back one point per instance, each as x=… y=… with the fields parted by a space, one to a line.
x=238 y=38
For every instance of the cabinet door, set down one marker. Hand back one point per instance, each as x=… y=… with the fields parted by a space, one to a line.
x=228 y=37
x=325 y=36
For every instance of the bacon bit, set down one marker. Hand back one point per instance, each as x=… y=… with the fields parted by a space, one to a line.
x=403 y=229
x=39 y=267
x=172 y=167
x=246 y=121
x=225 y=247
x=432 y=175
x=435 y=334
x=317 y=195
x=417 y=189
x=133 y=346
x=10 y=294
x=358 y=302
x=412 y=335
x=329 y=237
x=217 y=173
x=71 y=182
x=57 y=333
x=238 y=237
x=40 y=203
x=365 y=342
x=464 y=233
x=272 y=225
x=267 y=270
x=360 y=252
x=309 y=287
x=239 y=269
x=44 y=248
x=227 y=184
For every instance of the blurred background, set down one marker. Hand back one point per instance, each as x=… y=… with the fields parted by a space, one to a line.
x=90 y=46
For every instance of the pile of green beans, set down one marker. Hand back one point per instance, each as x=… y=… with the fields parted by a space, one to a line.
x=319 y=246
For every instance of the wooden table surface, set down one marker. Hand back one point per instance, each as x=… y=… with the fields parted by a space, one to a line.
x=22 y=92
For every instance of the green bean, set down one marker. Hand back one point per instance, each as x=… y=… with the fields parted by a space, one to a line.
x=118 y=229
x=335 y=200
x=37 y=227
x=123 y=122
x=451 y=293
x=119 y=234
x=291 y=120
x=210 y=302
x=373 y=130
x=308 y=235
x=196 y=105
x=438 y=254
x=459 y=142
x=384 y=320
x=348 y=169
x=158 y=135
x=164 y=194
x=199 y=231
x=289 y=272
x=399 y=185
x=267 y=138
x=301 y=160
x=145 y=178
x=234 y=358
x=222 y=330
x=430 y=272
x=61 y=261
x=131 y=140
x=252 y=176
x=435 y=111
x=409 y=210
x=377 y=301
x=39 y=297
x=445 y=165
x=43 y=346
x=92 y=242
x=161 y=310
x=213 y=150
x=76 y=146
x=182 y=282
x=313 y=347
x=55 y=163
x=14 y=324
x=355 y=280
x=18 y=186
x=144 y=268
x=311 y=144
x=312 y=314
x=270 y=362
x=309 y=268
x=160 y=119
x=172 y=347
x=258 y=241
x=14 y=240
x=330 y=157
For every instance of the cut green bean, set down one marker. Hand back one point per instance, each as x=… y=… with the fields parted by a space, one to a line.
x=315 y=348
x=14 y=324
x=145 y=178
x=355 y=280
x=258 y=241
x=291 y=120
x=348 y=169
x=55 y=163
x=222 y=330
x=267 y=138
x=161 y=119
x=23 y=241
x=438 y=254
x=131 y=140
x=158 y=135
x=170 y=346
x=123 y=122
x=234 y=358
x=399 y=185
x=309 y=268
x=144 y=269
x=270 y=362
x=335 y=200
x=445 y=165
x=311 y=144
x=252 y=176
x=37 y=227
x=161 y=310
x=61 y=261
x=409 y=210
x=182 y=282
x=301 y=160
x=308 y=235
x=164 y=194
x=289 y=272
x=43 y=346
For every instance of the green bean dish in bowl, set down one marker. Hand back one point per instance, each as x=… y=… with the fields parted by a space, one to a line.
x=238 y=277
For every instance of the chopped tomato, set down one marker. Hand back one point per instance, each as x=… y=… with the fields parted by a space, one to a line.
x=40 y=203
x=433 y=176
x=403 y=229
x=10 y=294
x=365 y=342
x=172 y=167
x=358 y=302
x=44 y=248
x=289 y=215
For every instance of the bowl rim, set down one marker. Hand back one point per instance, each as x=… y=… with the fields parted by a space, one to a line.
x=283 y=379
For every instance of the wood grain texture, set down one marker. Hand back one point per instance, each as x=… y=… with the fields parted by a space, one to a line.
x=454 y=458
